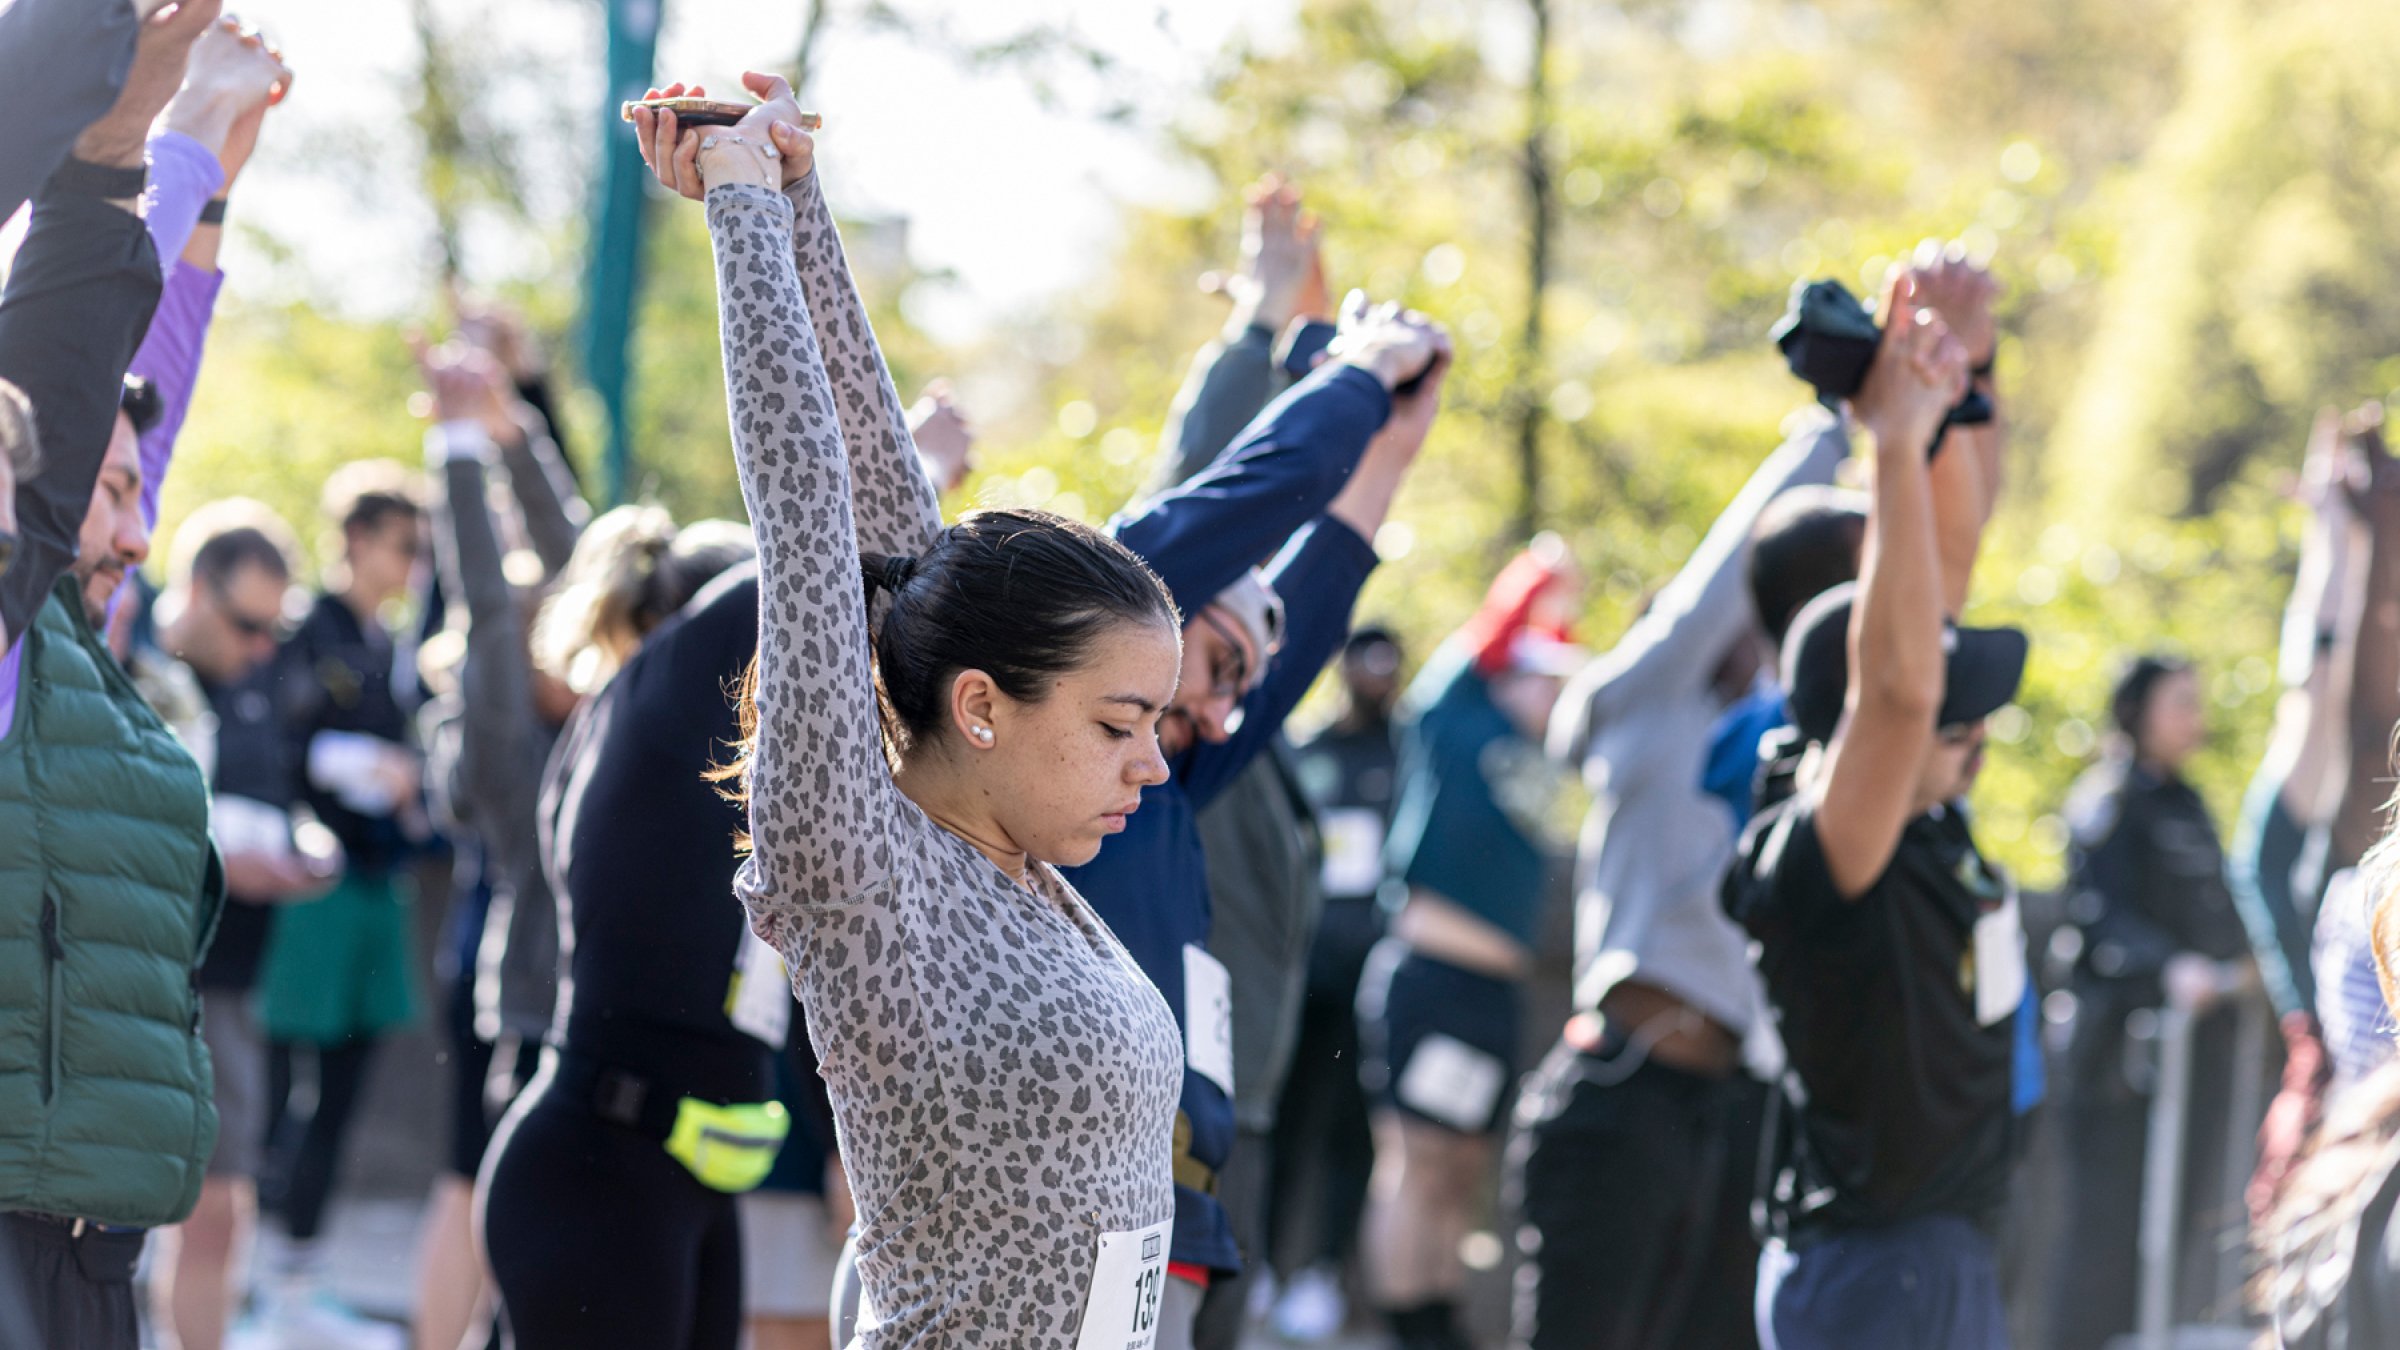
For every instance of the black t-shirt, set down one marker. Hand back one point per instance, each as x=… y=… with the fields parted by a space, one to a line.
x=1906 y=1106
x=640 y=849
x=253 y=760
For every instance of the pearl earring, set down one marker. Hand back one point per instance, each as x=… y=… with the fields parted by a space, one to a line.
x=983 y=734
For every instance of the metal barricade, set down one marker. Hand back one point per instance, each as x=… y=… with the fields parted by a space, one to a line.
x=2162 y=1226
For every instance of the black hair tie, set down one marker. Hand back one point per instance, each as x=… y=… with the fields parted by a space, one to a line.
x=897 y=569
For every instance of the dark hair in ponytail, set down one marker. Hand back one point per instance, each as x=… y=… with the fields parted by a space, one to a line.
x=1019 y=595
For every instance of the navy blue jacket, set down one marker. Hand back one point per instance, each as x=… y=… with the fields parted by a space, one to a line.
x=1269 y=490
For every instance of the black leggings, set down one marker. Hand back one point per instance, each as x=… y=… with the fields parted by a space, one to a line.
x=302 y=1155
x=600 y=1241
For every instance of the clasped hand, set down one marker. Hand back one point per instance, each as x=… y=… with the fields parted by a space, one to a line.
x=1393 y=344
x=1920 y=369
x=766 y=148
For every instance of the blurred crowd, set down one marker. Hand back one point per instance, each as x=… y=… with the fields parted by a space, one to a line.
x=886 y=923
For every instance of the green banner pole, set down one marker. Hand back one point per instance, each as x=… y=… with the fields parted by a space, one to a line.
x=613 y=273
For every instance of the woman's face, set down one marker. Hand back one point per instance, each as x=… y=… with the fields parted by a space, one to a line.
x=383 y=556
x=2174 y=723
x=1062 y=775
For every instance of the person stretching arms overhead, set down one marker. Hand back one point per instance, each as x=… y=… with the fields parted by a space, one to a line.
x=929 y=748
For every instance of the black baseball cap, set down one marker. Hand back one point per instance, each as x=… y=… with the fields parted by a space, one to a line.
x=1983 y=669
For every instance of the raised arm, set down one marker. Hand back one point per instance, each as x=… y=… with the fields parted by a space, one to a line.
x=895 y=507
x=517 y=411
x=62 y=64
x=495 y=679
x=2301 y=776
x=538 y=477
x=1868 y=786
x=1967 y=475
x=1703 y=611
x=1281 y=276
x=823 y=808
x=895 y=504
x=78 y=299
x=1318 y=574
x=1291 y=464
x=204 y=138
x=2375 y=671
x=2308 y=751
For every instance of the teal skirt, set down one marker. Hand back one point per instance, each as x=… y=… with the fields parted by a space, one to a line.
x=338 y=969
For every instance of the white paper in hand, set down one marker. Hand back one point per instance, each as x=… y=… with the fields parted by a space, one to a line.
x=1999 y=962
x=1128 y=1282
x=1453 y=1082
x=1208 y=1017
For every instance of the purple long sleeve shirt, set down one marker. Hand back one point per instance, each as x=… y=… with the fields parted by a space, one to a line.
x=183 y=176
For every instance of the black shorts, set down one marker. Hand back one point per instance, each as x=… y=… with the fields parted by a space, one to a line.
x=1437 y=1041
x=60 y=1286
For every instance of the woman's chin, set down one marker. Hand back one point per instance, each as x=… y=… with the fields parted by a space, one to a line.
x=1072 y=852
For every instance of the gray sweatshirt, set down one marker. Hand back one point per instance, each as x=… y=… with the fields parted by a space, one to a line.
x=1636 y=721
x=501 y=742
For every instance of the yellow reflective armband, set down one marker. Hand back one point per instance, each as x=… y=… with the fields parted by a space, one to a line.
x=729 y=1148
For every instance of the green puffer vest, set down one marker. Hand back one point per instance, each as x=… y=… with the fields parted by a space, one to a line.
x=109 y=892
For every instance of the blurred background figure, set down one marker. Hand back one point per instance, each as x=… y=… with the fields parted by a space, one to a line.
x=1437 y=1003
x=2156 y=924
x=1259 y=836
x=2283 y=836
x=1634 y=1165
x=487 y=739
x=211 y=676
x=1324 y=1149
x=337 y=974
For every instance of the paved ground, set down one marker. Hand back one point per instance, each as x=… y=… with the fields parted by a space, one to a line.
x=373 y=1245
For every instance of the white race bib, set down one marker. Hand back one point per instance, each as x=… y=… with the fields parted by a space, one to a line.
x=1128 y=1282
x=1999 y=963
x=1353 y=838
x=760 y=1001
x=1453 y=1082
x=1208 y=1017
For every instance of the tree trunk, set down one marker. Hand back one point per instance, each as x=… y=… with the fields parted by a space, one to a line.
x=1540 y=210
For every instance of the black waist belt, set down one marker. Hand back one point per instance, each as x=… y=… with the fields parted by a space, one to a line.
x=643 y=1105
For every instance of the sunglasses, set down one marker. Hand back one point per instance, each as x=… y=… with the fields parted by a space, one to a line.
x=244 y=624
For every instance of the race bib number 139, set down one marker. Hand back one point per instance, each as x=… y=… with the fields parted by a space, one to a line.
x=1129 y=1281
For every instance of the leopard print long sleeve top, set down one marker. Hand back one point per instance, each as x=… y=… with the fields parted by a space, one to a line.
x=1003 y=1076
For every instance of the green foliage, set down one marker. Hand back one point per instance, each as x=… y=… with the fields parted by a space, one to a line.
x=286 y=396
x=2186 y=205
x=1694 y=186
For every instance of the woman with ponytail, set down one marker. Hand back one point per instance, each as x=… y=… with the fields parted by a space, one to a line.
x=596 y=1235
x=1002 y=1076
